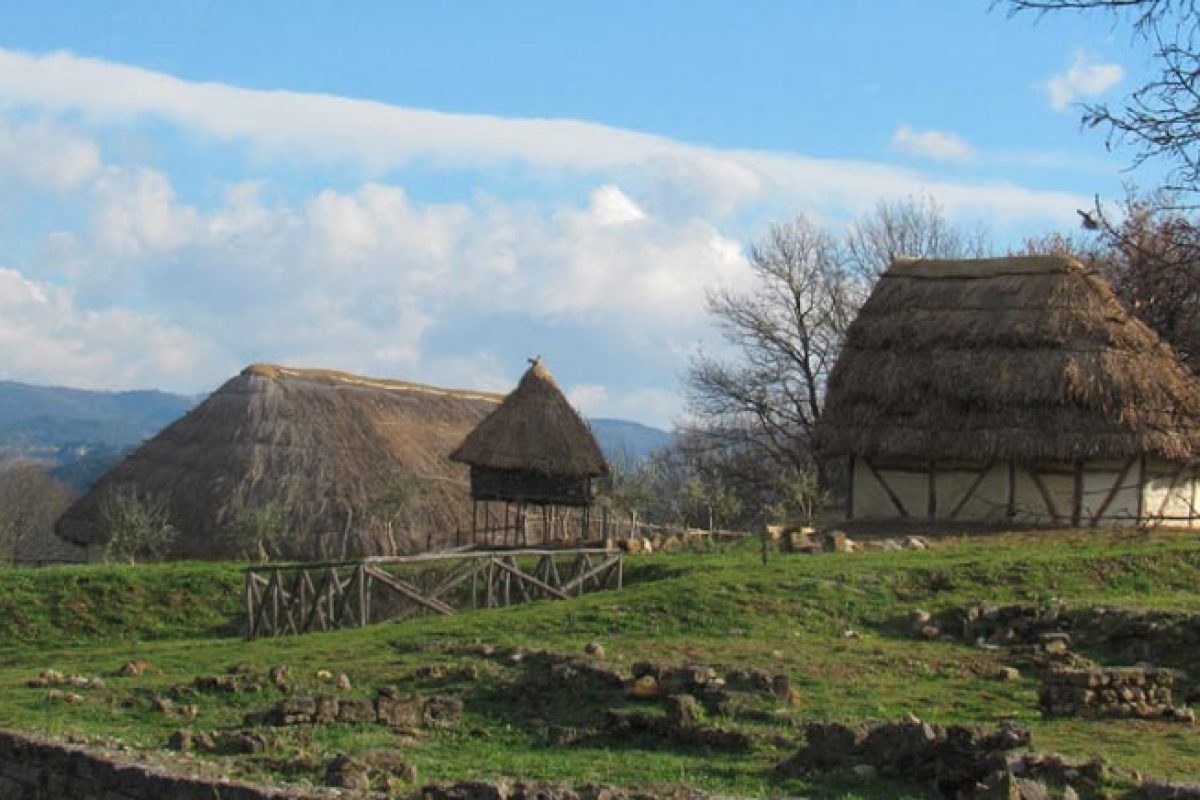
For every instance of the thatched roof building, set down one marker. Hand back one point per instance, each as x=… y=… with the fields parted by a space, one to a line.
x=534 y=448
x=322 y=448
x=1012 y=390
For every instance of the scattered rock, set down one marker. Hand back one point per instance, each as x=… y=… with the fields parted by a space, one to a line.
x=1008 y=674
x=324 y=675
x=133 y=669
x=281 y=677
x=345 y=772
x=594 y=649
x=643 y=688
x=343 y=682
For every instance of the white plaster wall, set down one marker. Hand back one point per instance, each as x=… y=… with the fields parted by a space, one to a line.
x=1168 y=505
x=1100 y=478
x=989 y=501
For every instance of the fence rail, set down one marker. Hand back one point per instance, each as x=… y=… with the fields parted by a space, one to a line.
x=283 y=599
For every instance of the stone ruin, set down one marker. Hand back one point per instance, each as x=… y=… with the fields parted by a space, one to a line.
x=1112 y=693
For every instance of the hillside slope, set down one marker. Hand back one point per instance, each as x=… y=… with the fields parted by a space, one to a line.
x=830 y=623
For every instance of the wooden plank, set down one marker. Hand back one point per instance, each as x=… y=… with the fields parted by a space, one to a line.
x=361 y=575
x=315 y=612
x=1047 y=499
x=891 y=495
x=525 y=577
x=962 y=502
x=407 y=590
x=1113 y=491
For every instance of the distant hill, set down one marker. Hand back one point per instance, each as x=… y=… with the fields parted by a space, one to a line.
x=622 y=439
x=80 y=434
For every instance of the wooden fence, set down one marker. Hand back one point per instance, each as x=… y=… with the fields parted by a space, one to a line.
x=299 y=598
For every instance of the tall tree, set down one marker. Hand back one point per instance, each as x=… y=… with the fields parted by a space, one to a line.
x=1160 y=118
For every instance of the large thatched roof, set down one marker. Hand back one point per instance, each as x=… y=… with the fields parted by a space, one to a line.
x=535 y=429
x=318 y=444
x=1026 y=358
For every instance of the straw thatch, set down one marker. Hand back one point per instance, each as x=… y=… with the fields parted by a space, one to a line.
x=1024 y=358
x=321 y=446
x=535 y=430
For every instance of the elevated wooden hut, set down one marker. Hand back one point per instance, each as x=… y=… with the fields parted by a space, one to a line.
x=1011 y=390
x=534 y=450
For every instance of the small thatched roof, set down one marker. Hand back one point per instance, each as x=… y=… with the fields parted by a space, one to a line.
x=1025 y=358
x=319 y=445
x=535 y=429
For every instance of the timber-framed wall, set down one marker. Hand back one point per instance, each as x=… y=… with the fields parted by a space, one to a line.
x=1102 y=493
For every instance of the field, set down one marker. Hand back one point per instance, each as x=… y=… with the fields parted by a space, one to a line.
x=827 y=621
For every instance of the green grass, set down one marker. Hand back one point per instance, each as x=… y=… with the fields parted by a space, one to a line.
x=722 y=608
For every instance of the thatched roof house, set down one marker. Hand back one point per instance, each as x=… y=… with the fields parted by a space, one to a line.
x=1011 y=390
x=322 y=448
x=534 y=448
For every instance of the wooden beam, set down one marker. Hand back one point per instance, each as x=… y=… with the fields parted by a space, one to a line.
x=1011 y=511
x=850 y=489
x=891 y=495
x=931 y=492
x=1113 y=491
x=1047 y=499
x=1162 y=507
x=578 y=580
x=1077 y=495
x=527 y=578
x=408 y=590
x=958 y=507
x=1141 y=499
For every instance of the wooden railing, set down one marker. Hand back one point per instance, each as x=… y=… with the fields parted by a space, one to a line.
x=298 y=598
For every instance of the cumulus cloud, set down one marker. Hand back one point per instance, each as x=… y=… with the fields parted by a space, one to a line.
x=936 y=145
x=47 y=337
x=320 y=128
x=1084 y=78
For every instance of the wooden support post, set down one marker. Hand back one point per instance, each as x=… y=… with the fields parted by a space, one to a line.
x=249 y=590
x=1112 y=492
x=1077 y=496
x=931 y=492
x=971 y=491
x=1141 y=486
x=360 y=574
x=850 y=488
x=1012 y=490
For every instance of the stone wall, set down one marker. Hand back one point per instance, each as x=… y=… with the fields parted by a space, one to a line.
x=1121 y=693
x=35 y=768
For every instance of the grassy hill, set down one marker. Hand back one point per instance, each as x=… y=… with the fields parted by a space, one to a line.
x=826 y=621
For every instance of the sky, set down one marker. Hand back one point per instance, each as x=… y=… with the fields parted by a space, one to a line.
x=438 y=191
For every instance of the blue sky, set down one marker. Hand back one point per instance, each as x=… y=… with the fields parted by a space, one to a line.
x=434 y=191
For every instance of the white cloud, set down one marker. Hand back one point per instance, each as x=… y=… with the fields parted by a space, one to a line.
x=937 y=145
x=46 y=337
x=46 y=156
x=1085 y=77
x=320 y=128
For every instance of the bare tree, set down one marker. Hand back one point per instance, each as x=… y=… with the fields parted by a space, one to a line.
x=1161 y=118
x=787 y=333
x=30 y=502
x=757 y=410
x=913 y=228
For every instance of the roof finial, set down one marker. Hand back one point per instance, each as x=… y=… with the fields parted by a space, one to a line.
x=535 y=361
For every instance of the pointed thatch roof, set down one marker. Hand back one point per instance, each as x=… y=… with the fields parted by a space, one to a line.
x=318 y=444
x=1025 y=358
x=536 y=430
